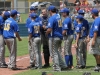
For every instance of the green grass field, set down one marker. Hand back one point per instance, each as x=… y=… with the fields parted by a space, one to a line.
x=90 y=63
x=22 y=48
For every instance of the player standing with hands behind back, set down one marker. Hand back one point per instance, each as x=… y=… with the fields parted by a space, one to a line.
x=10 y=33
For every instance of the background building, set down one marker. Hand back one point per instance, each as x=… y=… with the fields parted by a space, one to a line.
x=23 y=5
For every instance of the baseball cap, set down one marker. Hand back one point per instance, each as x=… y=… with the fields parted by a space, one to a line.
x=32 y=15
x=81 y=12
x=14 y=12
x=65 y=10
x=6 y=14
x=33 y=8
x=94 y=11
x=51 y=7
x=79 y=17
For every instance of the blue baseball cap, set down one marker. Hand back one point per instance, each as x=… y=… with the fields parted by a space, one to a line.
x=65 y=10
x=33 y=8
x=94 y=11
x=79 y=17
x=14 y=12
x=32 y=15
x=6 y=14
x=51 y=7
x=81 y=11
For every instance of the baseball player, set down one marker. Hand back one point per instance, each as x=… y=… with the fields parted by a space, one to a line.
x=44 y=19
x=94 y=34
x=85 y=34
x=31 y=54
x=79 y=44
x=34 y=34
x=10 y=33
x=3 y=17
x=54 y=39
x=68 y=37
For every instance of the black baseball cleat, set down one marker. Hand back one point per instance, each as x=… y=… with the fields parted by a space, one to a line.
x=3 y=66
x=14 y=68
x=35 y=67
x=31 y=66
x=97 y=68
x=65 y=69
x=46 y=66
x=80 y=67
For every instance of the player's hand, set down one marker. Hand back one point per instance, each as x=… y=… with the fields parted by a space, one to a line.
x=76 y=46
x=44 y=27
x=93 y=43
x=64 y=32
x=19 y=39
x=29 y=42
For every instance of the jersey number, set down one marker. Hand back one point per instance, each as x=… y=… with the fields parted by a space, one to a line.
x=7 y=26
x=36 y=29
x=60 y=23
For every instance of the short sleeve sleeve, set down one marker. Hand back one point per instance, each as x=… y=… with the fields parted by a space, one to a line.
x=50 y=23
x=16 y=27
x=1 y=22
x=65 y=24
x=78 y=29
x=30 y=28
x=96 y=26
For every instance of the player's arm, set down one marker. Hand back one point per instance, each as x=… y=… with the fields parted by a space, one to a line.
x=48 y=31
x=1 y=24
x=95 y=29
x=78 y=30
x=77 y=39
x=65 y=27
x=50 y=26
x=30 y=36
x=30 y=30
x=16 y=29
x=17 y=35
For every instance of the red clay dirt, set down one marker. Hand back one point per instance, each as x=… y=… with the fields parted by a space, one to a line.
x=22 y=62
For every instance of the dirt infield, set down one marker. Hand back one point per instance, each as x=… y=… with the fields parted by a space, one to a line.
x=22 y=62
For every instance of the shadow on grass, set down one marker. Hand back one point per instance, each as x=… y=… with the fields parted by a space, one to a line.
x=87 y=67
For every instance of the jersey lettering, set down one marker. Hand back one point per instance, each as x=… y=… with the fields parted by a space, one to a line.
x=60 y=23
x=36 y=29
x=7 y=26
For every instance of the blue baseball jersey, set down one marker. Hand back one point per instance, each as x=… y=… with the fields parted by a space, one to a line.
x=28 y=21
x=34 y=29
x=67 y=25
x=10 y=27
x=85 y=26
x=79 y=29
x=38 y=19
x=95 y=27
x=53 y=24
x=1 y=25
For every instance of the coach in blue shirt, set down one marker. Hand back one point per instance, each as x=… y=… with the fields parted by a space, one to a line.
x=54 y=38
x=10 y=33
x=95 y=38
